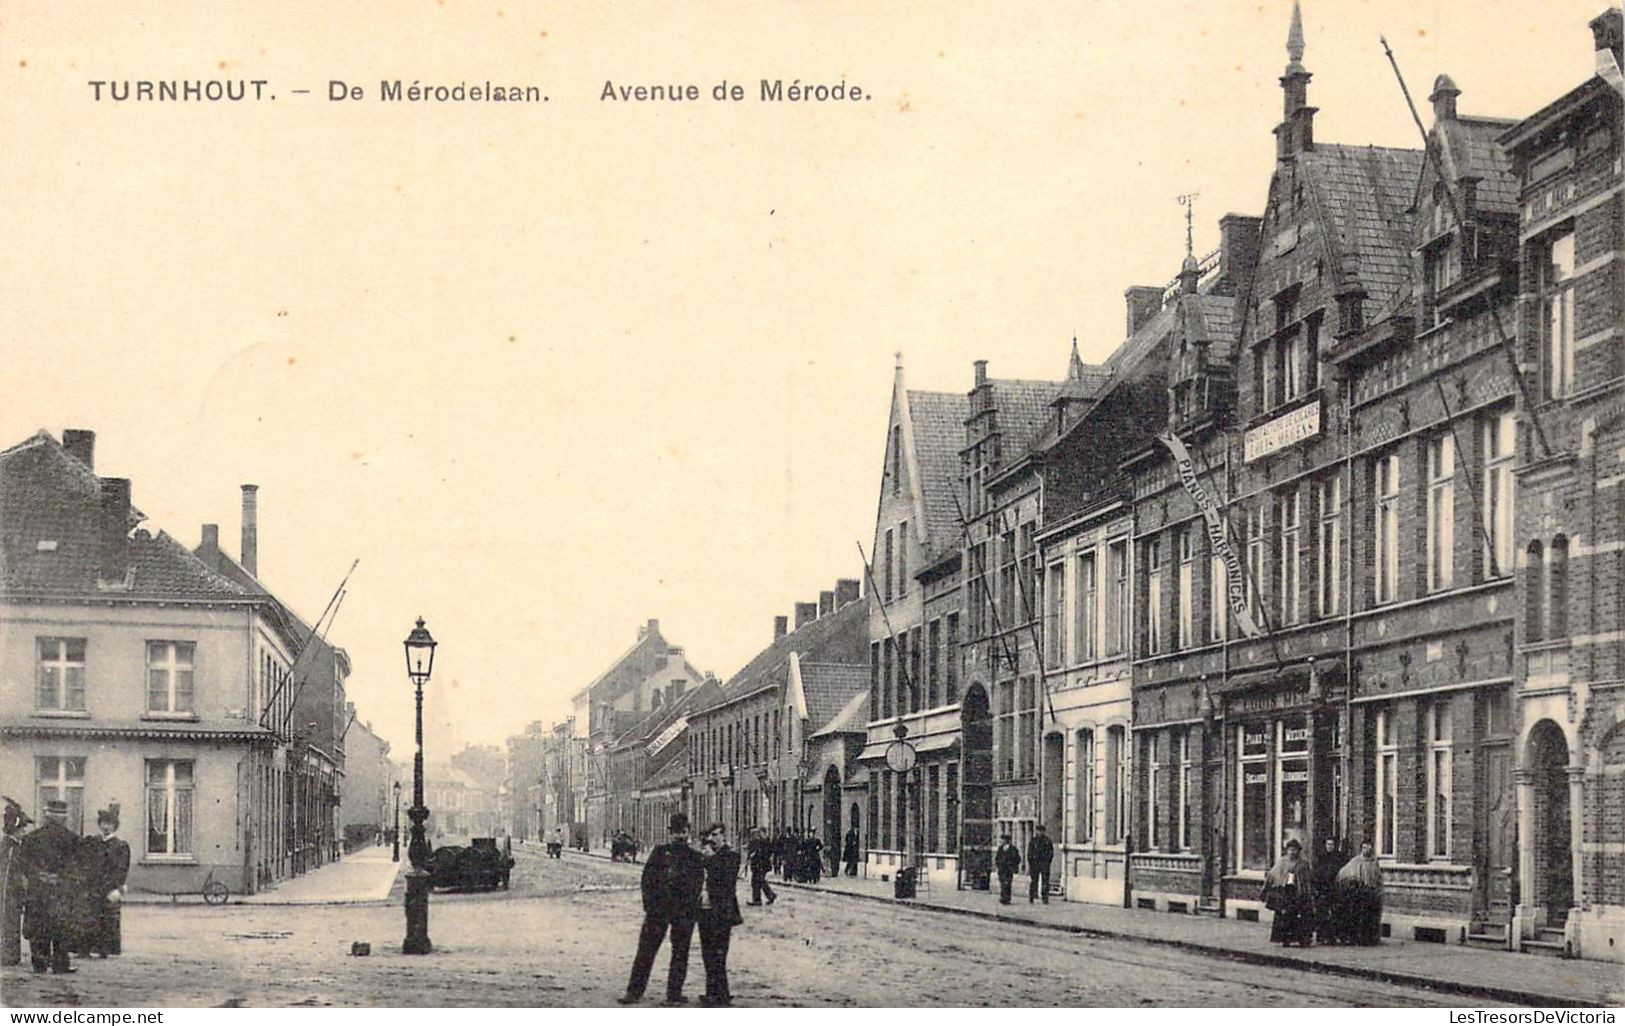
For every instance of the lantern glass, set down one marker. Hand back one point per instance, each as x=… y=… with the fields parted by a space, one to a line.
x=420 y=647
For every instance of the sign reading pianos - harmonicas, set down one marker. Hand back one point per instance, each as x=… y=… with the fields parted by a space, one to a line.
x=1216 y=535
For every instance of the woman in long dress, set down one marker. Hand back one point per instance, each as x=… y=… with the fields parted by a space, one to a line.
x=1359 y=898
x=1287 y=893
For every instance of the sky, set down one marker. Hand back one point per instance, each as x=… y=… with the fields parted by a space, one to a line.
x=549 y=371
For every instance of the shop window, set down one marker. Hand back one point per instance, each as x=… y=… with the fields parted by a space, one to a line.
x=1291 y=783
x=169 y=807
x=1439 y=802
x=1252 y=808
x=1387 y=784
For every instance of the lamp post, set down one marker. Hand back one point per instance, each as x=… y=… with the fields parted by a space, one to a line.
x=419 y=665
x=395 y=834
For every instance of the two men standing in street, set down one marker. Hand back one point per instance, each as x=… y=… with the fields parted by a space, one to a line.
x=682 y=887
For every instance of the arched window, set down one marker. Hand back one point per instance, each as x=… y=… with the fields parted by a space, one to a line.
x=1534 y=586
x=1557 y=590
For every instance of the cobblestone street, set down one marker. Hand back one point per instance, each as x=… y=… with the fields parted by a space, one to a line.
x=564 y=937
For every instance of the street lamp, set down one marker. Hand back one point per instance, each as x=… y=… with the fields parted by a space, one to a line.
x=419 y=665
x=395 y=834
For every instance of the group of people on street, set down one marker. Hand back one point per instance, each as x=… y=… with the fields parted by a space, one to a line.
x=797 y=855
x=1335 y=899
x=1040 y=856
x=61 y=891
x=684 y=887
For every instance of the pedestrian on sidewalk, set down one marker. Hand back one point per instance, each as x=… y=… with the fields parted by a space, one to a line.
x=1359 y=898
x=1287 y=894
x=812 y=858
x=673 y=879
x=850 y=852
x=1040 y=853
x=1006 y=860
x=761 y=860
x=719 y=914
x=110 y=867
x=51 y=859
x=1328 y=929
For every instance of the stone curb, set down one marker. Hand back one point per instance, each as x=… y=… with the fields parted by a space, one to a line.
x=1509 y=995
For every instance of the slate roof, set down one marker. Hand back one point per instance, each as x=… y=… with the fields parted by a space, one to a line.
x=1475 y=149
x=46 y=495
x=938 y=422
x=1362 y=194
x=852 y=719
x=830 y=687
x=1023 y=410
x=671 y=774
x=842 y=637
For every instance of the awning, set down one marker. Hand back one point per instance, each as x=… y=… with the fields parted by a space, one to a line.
x=922 y=746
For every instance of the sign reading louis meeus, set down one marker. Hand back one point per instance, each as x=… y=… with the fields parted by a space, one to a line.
x=1287 y=429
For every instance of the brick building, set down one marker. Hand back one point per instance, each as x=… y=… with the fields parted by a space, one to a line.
x=915 y=634
x=1569 y=533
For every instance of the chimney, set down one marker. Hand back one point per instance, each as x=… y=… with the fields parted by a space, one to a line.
x=1240 y=238
x=208 y=549
x=653 y=627
x=846 y=591
x=781 y=627
x=674 y=690
x=1444 y=99
x=114 y=559
x=826 y=603
x=1608 y=33
x=250 y=557
x=981 y=372
x=81 y=445
x=806 y=612
x=1144 y=303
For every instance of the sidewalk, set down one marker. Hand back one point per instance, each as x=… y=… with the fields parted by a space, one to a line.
x=363 y=876
x=1495 y=975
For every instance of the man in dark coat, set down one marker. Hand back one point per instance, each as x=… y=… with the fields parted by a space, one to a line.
x=850 y=852
x=49 y=858
x=1040 y=853
x=109 y=868
x=1323 y=878
x=11 y=884
x=761 y=860
x=812 y=858
x=672 y=881
x=1006 y=861
x=719 y=914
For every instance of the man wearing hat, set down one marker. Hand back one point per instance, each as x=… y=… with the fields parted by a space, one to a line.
x=109 y=858
x=49 y=859
x=11 y=884
x=1006 y=860
x=672 y=880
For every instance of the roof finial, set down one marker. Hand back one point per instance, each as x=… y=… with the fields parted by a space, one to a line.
x=899 y=359
x=1188 y=201
x=1294 y=36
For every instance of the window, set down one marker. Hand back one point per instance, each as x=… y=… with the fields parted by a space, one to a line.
x=1088 y=615
x=976 y=596
x=951 y=817
x=1083 y=824
x=1557 y=590
x=1007 y=582
x=1153 y=806
x=1117 y=599
x=1500 y=432
x=1005 y=740
x=1027 y=589
x=1439 y=758
x=1329 y=565
x=1055 y=615
x=887 y=654
x=1255 y=560
x=1291 y=782
x=1436 y=277
x=1027 y=743
x=915 y=696
x=1386 y=529
x=62 y=778
x=1311 y=351
x=1252 y=811
x=896 y=458
x=933 y=797
x=1288 y=516
x=1557 y=314
x=1289 y=368
x=1387 y=784
x=886 y=810
x=1218 y=597
x=1441 y=529
x=952 y=656
x=902 y=559
x=61 y=675
x=1117 y=745
x=933 y=690
x=1187 y=790
x=169 y=807
x=1153 y=596
x=886 y=582
x=1185 y=593
x=169 y=676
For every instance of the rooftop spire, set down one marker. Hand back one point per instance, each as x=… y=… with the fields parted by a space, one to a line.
x=1294 y=39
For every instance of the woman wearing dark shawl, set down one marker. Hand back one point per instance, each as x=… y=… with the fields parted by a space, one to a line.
x=1359 y=898
x=1286 y=893
x=1328 y=927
